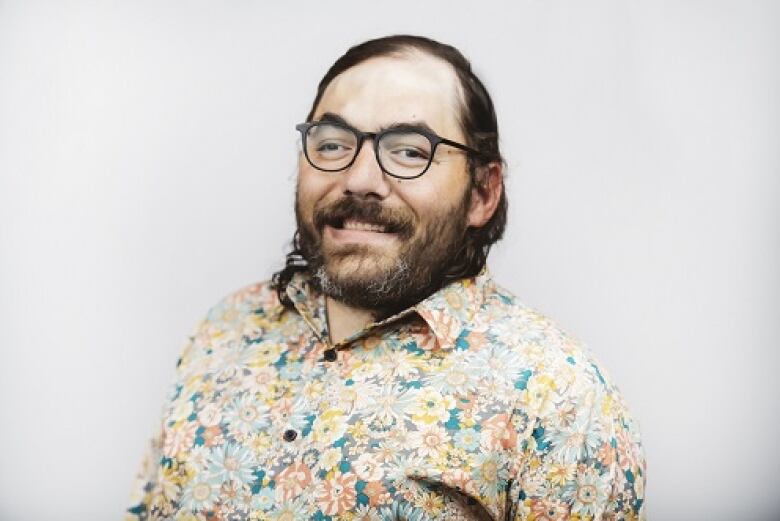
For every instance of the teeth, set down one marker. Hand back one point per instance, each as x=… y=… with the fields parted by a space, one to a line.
x=366 y=227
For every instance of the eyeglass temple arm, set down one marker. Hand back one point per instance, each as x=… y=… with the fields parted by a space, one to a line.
x=461 y=147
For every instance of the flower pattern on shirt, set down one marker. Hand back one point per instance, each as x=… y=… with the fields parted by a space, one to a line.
x=470 y=405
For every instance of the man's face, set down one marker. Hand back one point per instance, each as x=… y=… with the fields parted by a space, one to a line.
x=371 y=240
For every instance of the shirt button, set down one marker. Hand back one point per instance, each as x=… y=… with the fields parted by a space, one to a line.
x=330 y=355
x=290 y=435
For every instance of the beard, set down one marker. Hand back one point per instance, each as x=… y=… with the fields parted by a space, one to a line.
x=372 y=278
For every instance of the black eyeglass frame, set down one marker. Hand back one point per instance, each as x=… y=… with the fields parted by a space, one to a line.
x=434 y=139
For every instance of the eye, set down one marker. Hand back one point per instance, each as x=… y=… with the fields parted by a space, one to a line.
x=409 y=155
x=330 y=145
x=331 y=149
x=406 y=149
x=412 y=153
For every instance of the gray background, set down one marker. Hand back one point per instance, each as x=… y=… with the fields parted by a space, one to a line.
x=147 y=161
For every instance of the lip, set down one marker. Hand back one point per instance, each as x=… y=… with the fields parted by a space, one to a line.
x=344 y=236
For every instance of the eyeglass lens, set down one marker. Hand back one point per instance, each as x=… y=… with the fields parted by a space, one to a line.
x=402 y=153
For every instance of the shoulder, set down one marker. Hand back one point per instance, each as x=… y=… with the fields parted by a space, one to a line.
x=561 y=370
x=244 y=312
x=536 y=337
x=258 y=298
x=578 y=431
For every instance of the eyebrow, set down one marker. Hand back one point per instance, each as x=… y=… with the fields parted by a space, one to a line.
x=404 y=125
x=334 y=118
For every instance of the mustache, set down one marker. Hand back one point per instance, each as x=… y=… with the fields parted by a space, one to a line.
x=350 y=208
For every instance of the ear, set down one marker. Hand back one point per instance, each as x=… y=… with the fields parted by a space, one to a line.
x=486 y=194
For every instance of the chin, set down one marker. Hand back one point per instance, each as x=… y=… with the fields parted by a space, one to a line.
x=363 y=266
x=359 y=257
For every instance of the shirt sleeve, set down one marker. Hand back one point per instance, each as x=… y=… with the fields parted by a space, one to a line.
x=158 y=476
x=146 y=483
x=582 y=458
x=144 y=480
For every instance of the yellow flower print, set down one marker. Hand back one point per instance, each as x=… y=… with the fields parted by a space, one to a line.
x=329 y=459
x=432 y=407
x=606 y=405
x=359 y=431
x=265 y=355
x=488 y=472
x=560 y=473
x=451 y=457
x=539 y=397
x=170 y=481
x=328 y=427
x=252 y=326
x=313 y=389
x=466 y=417
x=260 y=443
x=430 y=503
x=362 y=371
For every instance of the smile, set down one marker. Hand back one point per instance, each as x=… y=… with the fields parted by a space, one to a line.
x=361 y=226
x=353 y=231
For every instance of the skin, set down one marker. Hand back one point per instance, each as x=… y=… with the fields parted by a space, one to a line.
x=377 y=93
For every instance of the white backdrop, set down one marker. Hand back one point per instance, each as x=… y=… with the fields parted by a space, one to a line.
x=147 y=160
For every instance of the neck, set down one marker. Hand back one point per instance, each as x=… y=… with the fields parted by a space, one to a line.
x=344 y=320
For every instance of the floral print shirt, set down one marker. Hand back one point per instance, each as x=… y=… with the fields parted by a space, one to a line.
x=470 y=405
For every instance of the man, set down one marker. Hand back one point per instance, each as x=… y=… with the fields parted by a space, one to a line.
x=383 y=374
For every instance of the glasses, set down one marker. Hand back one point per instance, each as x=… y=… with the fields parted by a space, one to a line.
x=404 y=151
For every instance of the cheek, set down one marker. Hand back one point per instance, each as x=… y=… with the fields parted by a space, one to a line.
x=312 y=188
x=433 y=195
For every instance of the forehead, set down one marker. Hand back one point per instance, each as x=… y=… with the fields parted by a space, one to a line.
x=405 y=89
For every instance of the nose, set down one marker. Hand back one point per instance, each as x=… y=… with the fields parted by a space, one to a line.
x=365 y=177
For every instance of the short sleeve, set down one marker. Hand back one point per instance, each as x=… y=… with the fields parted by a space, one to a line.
x=583 y=458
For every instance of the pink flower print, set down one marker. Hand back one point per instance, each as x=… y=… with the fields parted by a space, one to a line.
x=368 y=468
x=292 y=481
x=337 y=494
x=497 y=433
x=179 y=438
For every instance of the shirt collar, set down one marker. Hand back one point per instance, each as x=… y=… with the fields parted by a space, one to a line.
x=310 y=304
x=447 y=311
x=451 y=309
